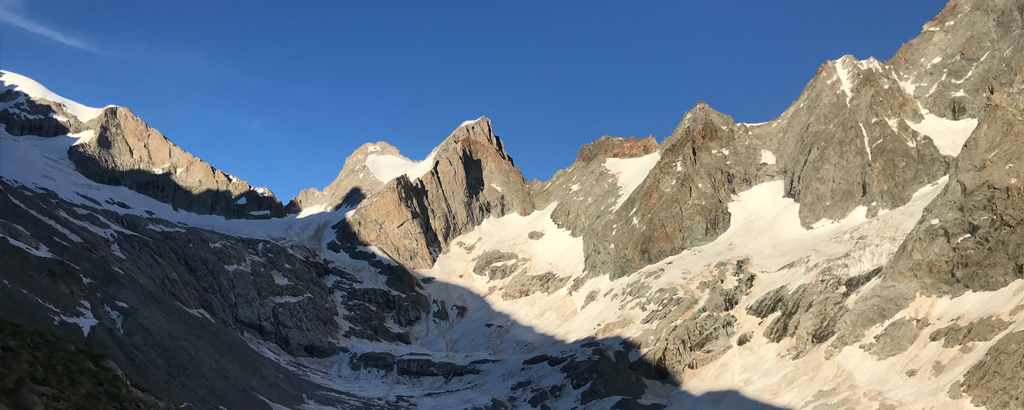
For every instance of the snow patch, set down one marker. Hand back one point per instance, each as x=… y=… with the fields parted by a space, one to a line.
x=468 y=122
x=200 y=313
x=630 y=172
x=313 y=210
x=947 y=135
x=33 y=89
x=767 y=157
x=388 y=167
x=86 y=321
x=42 y=252
x=280 y=279
x=117 y=316
x=290 y=299
x=845 y=77
x=162 y=228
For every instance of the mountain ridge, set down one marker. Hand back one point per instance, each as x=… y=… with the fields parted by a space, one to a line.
x=859 y=250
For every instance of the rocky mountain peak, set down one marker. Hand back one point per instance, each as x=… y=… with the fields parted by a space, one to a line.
x=373 y=166
x=699 y=116
x=476 y=138
x=112 y=146
x=125 y=151
x=466 y=179
x=28 y=108
x=615 y=147
x=354 y=182
x=969 y=45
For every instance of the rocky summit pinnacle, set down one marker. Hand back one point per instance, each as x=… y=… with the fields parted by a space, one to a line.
x=862 y=250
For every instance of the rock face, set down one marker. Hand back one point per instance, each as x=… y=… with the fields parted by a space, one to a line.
x=995 y=381
x=166 y=302
x=22 y=115
x=966 y=239
x=354 y=183
x=970 y=45
x=127 y=152
x=116 y=148
x=471 y=178
x=846 y=143
x=980 y=209
x=680 y=204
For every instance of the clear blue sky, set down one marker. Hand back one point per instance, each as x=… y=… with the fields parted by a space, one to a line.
x=279 y=94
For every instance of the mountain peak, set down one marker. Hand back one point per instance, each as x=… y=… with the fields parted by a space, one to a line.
x=32 y=89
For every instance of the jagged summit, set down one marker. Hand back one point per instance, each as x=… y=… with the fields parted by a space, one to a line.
x=373 y=165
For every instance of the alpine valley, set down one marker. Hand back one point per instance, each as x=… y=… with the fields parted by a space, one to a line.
x=864 y=250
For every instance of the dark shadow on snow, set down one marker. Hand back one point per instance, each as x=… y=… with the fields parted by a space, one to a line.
x=184 y=357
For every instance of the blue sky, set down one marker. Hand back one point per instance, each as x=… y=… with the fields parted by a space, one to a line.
x=280 y=93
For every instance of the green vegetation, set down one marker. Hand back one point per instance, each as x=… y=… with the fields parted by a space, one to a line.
x=40 y=369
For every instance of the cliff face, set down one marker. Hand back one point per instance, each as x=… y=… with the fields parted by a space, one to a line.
x=862 y=250
x=468 y=178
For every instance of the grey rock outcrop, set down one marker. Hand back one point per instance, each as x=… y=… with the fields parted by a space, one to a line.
x=845 y=143
x=995 y=382
x=968 y=237
x=969 y=46
x=167 y=302
x=127 y=152
x=472 y=178
x=354 y=183
x=681 y=203
x=979 y=331
x=23 y=115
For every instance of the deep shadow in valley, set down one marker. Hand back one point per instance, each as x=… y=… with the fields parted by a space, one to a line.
x=178 y=334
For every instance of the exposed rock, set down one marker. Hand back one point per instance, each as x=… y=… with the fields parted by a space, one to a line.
x=127 y=152
x=979 y=209
x=525 y=285
x=36 y=116
x=995 y=382
x=896 y=338
x=354 y=183
x=688 y=182
x=970 y=45
x=809 y=313
x=429 y=368
x=845 y=143
x=980 y=331
x=967 y=238
x=612 y=147
x=373 y=360
x=472 y=179
x=604 y=374
x=498 y=265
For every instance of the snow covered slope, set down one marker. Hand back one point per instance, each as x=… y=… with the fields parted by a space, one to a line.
x=861 y=251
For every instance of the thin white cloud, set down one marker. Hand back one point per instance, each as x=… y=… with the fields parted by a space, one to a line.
x=12 y=12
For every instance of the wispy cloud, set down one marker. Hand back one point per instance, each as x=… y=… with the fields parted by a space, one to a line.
x=13 y=12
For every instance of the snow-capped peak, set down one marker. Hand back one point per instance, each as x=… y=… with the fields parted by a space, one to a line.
x=387 y=167
x=468 y=122
x=17 y=82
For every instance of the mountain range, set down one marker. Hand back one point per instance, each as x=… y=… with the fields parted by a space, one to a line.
x=864 y=250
